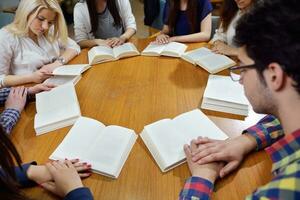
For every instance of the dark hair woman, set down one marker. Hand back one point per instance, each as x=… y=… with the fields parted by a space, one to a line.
x=231 y=12
x=109 y=22
x=186 y=21
x=59 y=177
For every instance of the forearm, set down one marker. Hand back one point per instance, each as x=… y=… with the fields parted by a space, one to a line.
x=8 y=119
x=267 y=131
x=128 y=34
x=69 y=54
x=14 y=80
x=195 y=37
x=90 y=43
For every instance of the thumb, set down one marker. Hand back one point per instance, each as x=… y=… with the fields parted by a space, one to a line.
x=229 y=167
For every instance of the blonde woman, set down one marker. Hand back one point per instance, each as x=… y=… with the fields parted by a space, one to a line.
x=35 y=43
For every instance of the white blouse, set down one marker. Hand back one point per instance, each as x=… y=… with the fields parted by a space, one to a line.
x=21 y=55
x=227 y=36
x=82 y=22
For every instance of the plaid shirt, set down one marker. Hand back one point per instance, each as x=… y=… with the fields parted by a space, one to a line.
x=285 y=154
x=10 y=116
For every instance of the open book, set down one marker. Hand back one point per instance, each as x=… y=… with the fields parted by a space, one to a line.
x=56 y=109
x=165 y=138
x=224 y=95
x=67 y=73
x=205 y=58
x=60 y=80
x=100 y=54
x=173 y=49
x=105 y=148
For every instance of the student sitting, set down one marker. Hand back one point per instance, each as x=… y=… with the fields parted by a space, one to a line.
x=223 y=38
x=14 y=100
x=59 y=177
x=103 y=22
x=34 y=44
x=270 y=75
x=186 y=21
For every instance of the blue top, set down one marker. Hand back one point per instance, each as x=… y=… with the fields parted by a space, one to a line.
x=82 y=193
x=182 y=26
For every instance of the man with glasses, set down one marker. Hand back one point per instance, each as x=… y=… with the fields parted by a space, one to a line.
x=269 y=40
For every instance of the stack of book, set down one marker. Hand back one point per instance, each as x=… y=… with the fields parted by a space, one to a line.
x=223 y=95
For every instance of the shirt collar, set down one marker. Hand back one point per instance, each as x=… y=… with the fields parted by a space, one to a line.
x=285 y=150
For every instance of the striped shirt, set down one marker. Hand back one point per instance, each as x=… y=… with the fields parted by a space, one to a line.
x=9 y=116
x=285 y=154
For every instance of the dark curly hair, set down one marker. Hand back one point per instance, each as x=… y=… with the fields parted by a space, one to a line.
x=270 y=31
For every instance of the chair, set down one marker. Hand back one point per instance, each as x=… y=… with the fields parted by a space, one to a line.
x=214 y=25
x=6 y=18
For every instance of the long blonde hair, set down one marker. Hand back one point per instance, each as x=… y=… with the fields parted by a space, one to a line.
x=20 y=25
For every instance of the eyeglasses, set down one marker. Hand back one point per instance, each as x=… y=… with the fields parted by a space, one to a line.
x=236 y=71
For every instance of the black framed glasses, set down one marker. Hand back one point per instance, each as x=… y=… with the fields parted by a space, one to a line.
x=236 y=71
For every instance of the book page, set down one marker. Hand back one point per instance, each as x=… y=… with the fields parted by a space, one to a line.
x=109 y=151
x=127 y=49
x=71 y=70
x=222 y=88
x=79 y=140
x=56 y=99
x=153 y=49
x=214 y=63
x=60 y=80
x=195 y=123
x=100 y=53
x=174 y=49
x=196 y=54
x=167 y=140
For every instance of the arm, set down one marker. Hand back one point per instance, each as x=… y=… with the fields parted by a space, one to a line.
x=233 y=150
x=200 y=185
x=267 y=131
x=202 y=36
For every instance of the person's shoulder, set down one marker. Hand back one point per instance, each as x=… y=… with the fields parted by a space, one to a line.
x=6 y=35
x=80 y=5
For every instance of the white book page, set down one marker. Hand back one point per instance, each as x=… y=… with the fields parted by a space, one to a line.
x=222 y=88
x=174 y=48
x=56 y=99
x=109 y=151
x=194 y=123
x=71 y=70
x=79 y=140
x=99 y=53
x=60 y=80
x=124 y=50
x=214 y=62
x=155 y=49
x=167 y=140
x=197 y=53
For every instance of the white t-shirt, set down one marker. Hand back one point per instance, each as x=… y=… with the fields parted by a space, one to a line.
x=82 y=22
x=227 y=36
x=21 y=55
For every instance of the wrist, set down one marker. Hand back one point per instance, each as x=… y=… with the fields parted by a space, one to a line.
x=249 y=143
x=123 y=37
x=38 y=173
x=207 y=174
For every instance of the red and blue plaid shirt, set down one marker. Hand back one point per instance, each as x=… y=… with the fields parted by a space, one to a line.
x=9 y=116
x=285 y=154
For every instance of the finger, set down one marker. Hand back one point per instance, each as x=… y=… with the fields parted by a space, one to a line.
x=50 y=186
x=193 y=146
x=203 y=147
x=187 y=151
x=74 y=161
x=204 y=153
x=85 y=175
x=211 y=158
x=69 y=164
x=52 y=169
x=25 y=93
x=58 y=164
x=229 y=167
x=84 y=167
